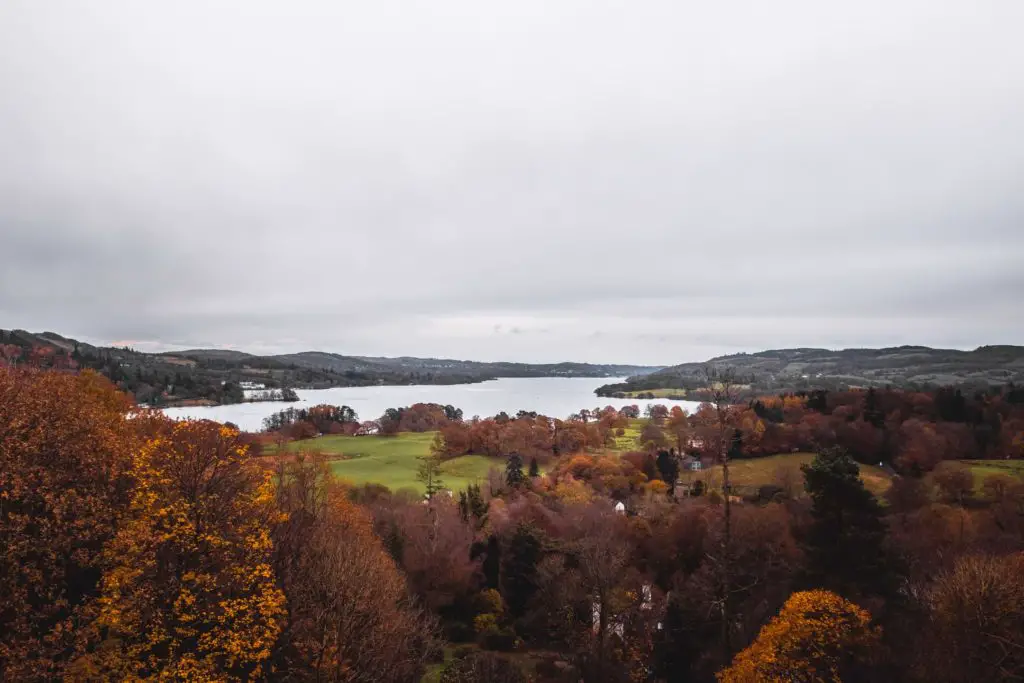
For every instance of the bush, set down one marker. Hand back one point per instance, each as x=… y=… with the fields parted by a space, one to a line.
x=502 y=640
x=485 y=623
x=769 y=492
x=481 y=667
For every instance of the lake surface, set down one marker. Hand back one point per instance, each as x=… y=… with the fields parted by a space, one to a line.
x=552 y=396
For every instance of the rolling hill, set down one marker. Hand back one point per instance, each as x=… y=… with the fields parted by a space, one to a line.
x=811 y=368
x=210 y=376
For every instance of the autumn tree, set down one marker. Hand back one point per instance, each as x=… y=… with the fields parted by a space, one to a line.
x=724 y=389
x=188 y=590
x=907 y=493
x=351 y=617
x=955 y=481
x=976 y=622
x=678 y=425
x=432 y=545
x=65 y=476
x=818 y=636
x=601 y=558
x=391 y=421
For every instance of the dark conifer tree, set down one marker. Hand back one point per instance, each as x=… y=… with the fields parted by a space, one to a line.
x=844 y=545
x=514 y=476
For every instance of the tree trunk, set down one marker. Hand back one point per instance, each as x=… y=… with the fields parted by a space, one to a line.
x=726 y=541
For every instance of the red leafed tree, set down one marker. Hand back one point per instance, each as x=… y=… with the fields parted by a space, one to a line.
x=65 y=474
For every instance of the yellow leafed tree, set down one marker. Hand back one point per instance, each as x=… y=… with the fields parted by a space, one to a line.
x=65 y=453
x=814 y=639
x=188 y=592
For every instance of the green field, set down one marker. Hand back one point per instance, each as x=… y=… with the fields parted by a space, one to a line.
x=983 y=469
x=628 y=441
x=657 y=393
x=392 y=460
x=746 y=475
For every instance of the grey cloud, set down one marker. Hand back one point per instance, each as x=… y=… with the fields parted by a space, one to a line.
x=414 y=178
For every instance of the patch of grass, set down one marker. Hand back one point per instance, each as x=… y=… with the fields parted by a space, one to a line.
x=983 y=469
x=629 y=441
x=392 y=460
x=748 y=474
x=403 y=444
x=657 y=393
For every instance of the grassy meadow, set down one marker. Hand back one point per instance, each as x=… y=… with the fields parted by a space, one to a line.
x=629 y=441
x=392 y=460
x=983 y=469
x=747 y=474
x=657 y=393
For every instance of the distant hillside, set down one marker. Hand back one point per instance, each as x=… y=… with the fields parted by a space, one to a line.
x=803 y=369
x=462 y=368
x=216 y=375
x=212 y=354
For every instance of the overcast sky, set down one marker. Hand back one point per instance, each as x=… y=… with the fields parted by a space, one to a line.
x=538 y=180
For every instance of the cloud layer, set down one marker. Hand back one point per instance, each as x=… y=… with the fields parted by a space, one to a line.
x=653 y=181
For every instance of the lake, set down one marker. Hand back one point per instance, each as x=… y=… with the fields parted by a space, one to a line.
x=552 y=396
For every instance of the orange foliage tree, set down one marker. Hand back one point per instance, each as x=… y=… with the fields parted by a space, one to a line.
x=188 y=591
x=351 y=617
x=817 y=636
x=976 y=626
x=65 y=456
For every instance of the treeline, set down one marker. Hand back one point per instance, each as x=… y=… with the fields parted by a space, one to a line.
x=149 y=378
x=531 y=435
x=912 y=431
x=911 y=368
x=305 y=423
x=162 y=380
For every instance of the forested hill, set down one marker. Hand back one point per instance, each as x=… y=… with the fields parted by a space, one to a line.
x=808 y=368
x=215 y=375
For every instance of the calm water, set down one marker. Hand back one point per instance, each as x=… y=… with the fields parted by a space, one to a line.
x=553 y=396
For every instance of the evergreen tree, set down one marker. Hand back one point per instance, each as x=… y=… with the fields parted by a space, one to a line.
x=817 y=401
x=736 y=446
x=519 y=558
x=514 y=471
x=534 y=468
x=679 y=643
x=668 y=467
x=490 y=567
x=844 y=546
x=872 y=411
x=477 y=504
x=429 y=474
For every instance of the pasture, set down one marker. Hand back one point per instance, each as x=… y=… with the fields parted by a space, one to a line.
x=748 y=474
x=983 y=469
x=392 y=460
